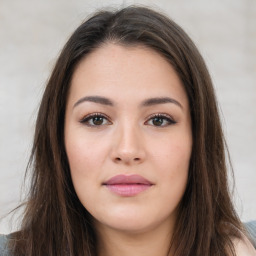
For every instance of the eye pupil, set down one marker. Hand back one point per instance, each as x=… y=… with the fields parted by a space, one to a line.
x=157 y=121
x=97 y=120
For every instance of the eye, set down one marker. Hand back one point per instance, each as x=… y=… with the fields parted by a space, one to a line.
x=160 y=120
x=96 y=119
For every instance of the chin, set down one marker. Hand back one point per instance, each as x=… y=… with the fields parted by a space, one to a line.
x=130 y=227
x=133 y=223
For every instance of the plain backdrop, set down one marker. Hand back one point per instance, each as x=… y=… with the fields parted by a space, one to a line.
x=32 y=34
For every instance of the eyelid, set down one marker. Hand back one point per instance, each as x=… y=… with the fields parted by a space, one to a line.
x=168 y=117
x=86 y=118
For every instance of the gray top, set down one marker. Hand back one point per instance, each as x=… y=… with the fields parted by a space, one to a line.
x=3 y=246
x=250 y=226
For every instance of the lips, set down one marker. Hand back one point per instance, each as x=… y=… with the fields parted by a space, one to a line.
x=127 y=185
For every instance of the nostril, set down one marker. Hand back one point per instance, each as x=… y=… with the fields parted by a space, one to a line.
x=118 y=159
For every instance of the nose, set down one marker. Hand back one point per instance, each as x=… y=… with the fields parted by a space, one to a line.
x=128 y=147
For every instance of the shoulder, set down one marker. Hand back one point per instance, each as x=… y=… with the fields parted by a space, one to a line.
x=3 y=245
x=243 y=247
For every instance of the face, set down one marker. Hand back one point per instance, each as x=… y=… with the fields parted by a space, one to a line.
x=128 y=138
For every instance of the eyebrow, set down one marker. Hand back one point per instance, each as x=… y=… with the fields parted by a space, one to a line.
x=146 y=103
x=95 y=99
x=160 y=100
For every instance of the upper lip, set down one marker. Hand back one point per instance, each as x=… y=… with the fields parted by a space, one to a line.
x=127 y=179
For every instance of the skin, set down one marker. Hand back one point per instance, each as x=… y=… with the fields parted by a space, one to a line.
x=128 y=140
x=244 y=247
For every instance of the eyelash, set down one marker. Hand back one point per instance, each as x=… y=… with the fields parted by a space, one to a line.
x=166 y=118
x=85 y=120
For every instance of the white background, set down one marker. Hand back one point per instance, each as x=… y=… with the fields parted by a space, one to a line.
x=33 y=32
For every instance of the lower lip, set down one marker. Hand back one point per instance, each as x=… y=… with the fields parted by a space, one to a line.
x=128 y=189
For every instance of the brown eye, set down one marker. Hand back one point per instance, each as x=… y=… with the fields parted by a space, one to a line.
x=157 y=121
x=95 y=120
x=160 y=120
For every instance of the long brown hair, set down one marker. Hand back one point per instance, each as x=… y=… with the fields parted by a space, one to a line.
x=55 y=222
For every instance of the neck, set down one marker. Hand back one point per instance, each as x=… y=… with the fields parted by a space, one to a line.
x=115 y=243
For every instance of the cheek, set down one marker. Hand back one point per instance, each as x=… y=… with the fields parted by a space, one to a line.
x=86 y=157
x=82 y=163
x=84 y=167
x=172 y=161
x=173 y=152
x=81 y=153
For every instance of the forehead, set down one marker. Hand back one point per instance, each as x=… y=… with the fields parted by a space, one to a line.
x=122 y=72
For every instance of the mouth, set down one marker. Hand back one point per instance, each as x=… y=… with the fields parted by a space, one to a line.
x=127 y=185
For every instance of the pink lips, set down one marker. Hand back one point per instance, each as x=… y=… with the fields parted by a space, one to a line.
x=124 y=185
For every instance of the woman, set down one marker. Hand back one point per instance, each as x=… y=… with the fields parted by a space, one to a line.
x=129 y=155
